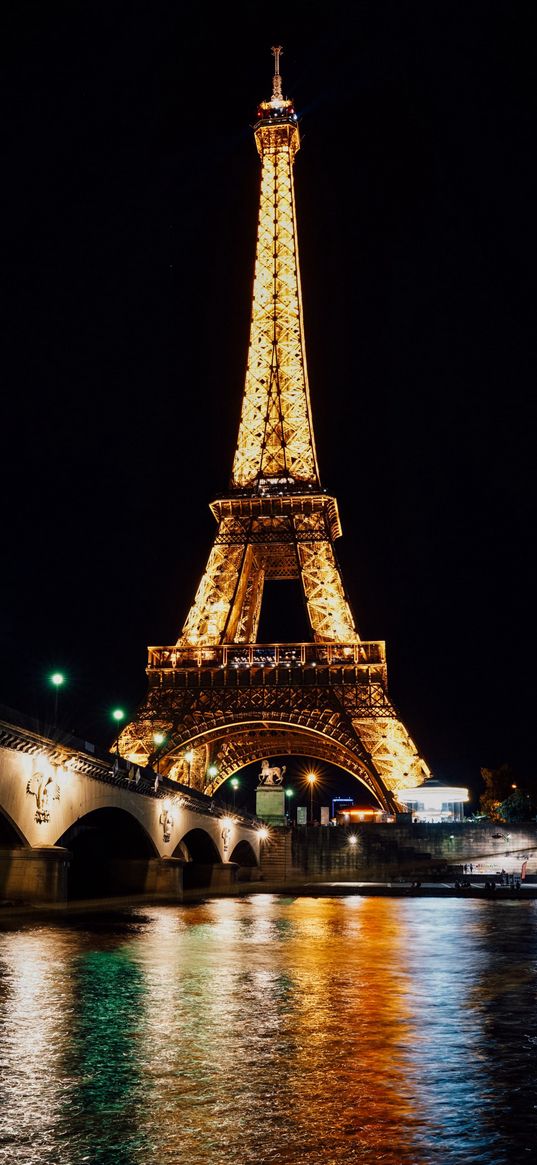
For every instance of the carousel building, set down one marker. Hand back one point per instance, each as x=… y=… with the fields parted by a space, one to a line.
x=434 y=801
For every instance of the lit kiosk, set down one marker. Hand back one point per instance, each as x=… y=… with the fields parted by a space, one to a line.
x=270 y=794
x=433 y=801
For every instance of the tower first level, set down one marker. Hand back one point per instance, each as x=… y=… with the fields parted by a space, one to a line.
x=219 y=699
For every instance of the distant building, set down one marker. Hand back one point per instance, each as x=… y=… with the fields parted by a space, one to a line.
x=355 y=814
x=434 y=801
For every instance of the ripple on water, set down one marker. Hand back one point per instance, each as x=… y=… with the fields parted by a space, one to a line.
x=272 y=1030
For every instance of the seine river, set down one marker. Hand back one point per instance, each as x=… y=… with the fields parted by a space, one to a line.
x=272 y=1030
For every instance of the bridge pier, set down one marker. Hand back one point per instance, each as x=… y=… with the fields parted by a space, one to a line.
x=34 y=875
x=123 y=877
x=216 y=877
x=165 y=878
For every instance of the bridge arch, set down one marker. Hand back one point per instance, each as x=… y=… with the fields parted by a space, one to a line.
x=11 y=837
x=244 y=854
x=197 y=846
x=110 y=854
x=202 y=859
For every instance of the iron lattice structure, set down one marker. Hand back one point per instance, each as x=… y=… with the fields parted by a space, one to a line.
x=220 y=699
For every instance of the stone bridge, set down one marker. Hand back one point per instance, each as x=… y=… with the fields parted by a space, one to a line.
x=79 y=823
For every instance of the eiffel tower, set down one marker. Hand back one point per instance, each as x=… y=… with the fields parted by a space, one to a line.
x=217 y=699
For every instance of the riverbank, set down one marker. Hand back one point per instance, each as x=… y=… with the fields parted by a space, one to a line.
x=11 y=911
x=403 y=890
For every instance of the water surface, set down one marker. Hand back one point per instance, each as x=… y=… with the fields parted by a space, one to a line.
x=274 y=1030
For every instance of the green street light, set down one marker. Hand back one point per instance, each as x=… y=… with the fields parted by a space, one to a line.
x=212 y=770
x=118 y=715
x=234 y=786
x=57 y=679
x=289 y=793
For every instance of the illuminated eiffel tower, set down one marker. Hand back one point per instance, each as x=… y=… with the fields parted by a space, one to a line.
x=219 y=700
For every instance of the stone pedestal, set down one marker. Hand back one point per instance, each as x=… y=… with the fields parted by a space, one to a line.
x=270 y=804
x=34 y=875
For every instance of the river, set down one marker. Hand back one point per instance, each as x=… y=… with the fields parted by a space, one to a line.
x=271 y=1029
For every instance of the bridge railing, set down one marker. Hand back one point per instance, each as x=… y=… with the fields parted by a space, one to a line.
x=268 y=655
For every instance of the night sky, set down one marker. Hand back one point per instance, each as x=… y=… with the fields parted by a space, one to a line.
x=130 y=197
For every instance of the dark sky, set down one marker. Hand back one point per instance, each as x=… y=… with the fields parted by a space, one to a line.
x=128 y=230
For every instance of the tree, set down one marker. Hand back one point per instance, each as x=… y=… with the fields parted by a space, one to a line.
x=505 y=797
x=516 y=807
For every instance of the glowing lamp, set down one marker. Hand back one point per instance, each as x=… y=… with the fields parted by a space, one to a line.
x=118 y=715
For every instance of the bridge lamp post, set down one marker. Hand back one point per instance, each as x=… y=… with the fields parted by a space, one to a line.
x=118 y=715
x=234 y=786
x=158 y=738
x=57 y=680
x=312 y=779
x=289 y=793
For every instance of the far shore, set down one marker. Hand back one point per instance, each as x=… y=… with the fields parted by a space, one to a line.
x=476 y=888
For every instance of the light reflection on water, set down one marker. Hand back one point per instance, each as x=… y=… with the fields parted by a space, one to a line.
x=272 y=1030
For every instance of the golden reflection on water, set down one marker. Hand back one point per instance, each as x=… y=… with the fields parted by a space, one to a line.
x=35 y=1006
x=347 y=1079
x=296 y=1016
x=271 y=1030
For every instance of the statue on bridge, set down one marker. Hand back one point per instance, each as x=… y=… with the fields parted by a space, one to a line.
x=271 y=775
x=42 y=786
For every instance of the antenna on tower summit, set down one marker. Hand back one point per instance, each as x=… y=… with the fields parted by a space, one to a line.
x=277 y=95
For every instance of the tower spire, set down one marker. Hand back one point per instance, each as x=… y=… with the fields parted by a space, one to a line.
x=277 y=95
x=275 y=445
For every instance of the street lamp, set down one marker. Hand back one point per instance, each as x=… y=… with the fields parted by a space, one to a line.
x=289 y=793
x=311 y=777
x=234 y=786
x=159 y=739
x=118 y=715
x=57 y=679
